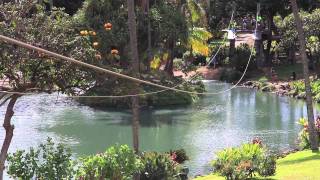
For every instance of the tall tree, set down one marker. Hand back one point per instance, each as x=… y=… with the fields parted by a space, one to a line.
x=135 y=68
x=313 y=136
x=149 y=50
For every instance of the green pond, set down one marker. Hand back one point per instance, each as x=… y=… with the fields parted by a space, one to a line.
x=202 y=129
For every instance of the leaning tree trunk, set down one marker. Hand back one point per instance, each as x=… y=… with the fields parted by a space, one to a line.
x=9 y=133
x=135 y=68
x=313 y=136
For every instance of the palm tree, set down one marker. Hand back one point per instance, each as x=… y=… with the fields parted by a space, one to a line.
x=313 y=136
x=135 y=69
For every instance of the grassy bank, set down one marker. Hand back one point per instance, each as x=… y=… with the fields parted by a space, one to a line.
x=298 y=166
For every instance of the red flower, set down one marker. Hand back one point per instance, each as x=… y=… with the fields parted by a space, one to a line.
x=257 y=140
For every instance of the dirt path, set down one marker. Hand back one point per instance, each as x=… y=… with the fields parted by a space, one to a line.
x=207 y=73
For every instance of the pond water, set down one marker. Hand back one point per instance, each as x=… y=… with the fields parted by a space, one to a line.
x=202 y=129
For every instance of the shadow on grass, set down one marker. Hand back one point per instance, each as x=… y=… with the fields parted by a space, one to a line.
x=316 y=156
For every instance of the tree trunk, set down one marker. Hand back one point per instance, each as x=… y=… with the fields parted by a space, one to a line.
x=9 y=133
x=232 y=49
x=313 y=136
x=169 y=64
x=135 y=123
x=269 y=43
x=259 y=53
x=149 y=51
x=135 y=68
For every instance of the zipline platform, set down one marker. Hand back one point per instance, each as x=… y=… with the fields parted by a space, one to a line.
x=248 y=36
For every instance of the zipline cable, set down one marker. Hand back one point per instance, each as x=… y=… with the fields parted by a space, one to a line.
x=68 y=59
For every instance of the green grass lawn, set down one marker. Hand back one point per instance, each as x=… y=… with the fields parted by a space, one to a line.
x=303 y=165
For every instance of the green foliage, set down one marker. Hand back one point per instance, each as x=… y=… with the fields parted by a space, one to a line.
x=198 y=39
x=47 y=161
x=230 y=75
x=179 y=156
x=167 y=25
x=241 y=57
x=267 y=166
x=299 y=88
x=159 y=166
x=304 y=134
x=50 y=161
x=244 y=161
x=94 y=14
x=311 y=22
x=197 y=14
x=54 y=31
x=117 y=163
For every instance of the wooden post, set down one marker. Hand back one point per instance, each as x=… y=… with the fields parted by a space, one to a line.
x=232 y=40
x=232 y=48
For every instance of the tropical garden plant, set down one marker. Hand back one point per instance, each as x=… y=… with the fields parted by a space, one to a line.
x=117 y=163
x=304 y=134
x=244 y=161
x=47 y=161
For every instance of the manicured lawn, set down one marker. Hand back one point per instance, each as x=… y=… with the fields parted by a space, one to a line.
x=298 y=166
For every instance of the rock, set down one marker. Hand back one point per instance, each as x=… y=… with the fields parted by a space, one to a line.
x=301 y=95
x=267 y=88
x=248 y=84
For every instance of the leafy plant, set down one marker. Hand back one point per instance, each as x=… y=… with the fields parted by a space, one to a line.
x=159 y=166
x=117 y=163
x=243 y=162
x=47 y=161
x=267 y=166
x=179 y=156
x=304 y=135
x=241 y=57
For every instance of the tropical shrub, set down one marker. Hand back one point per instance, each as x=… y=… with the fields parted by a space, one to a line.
x=47 y=161
x=243 y=162
x=117 y=163
x=179 y=156
x=299 y=88
x=241 y=57
x=304 y=135
x=159 y=166
x=230 y=75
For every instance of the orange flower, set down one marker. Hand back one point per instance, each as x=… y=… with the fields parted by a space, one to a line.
x=92 y=33
x=114 y=52
x=95 y=44
x=83 y=33
x=108 y=26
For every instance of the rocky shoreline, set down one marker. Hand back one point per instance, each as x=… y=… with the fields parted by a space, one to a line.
x=279 y=88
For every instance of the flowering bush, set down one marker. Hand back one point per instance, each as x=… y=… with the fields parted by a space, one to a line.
x=244 y=161
x=164 y=165
x=304 y=135
x=179 y=156
x=159 y=166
